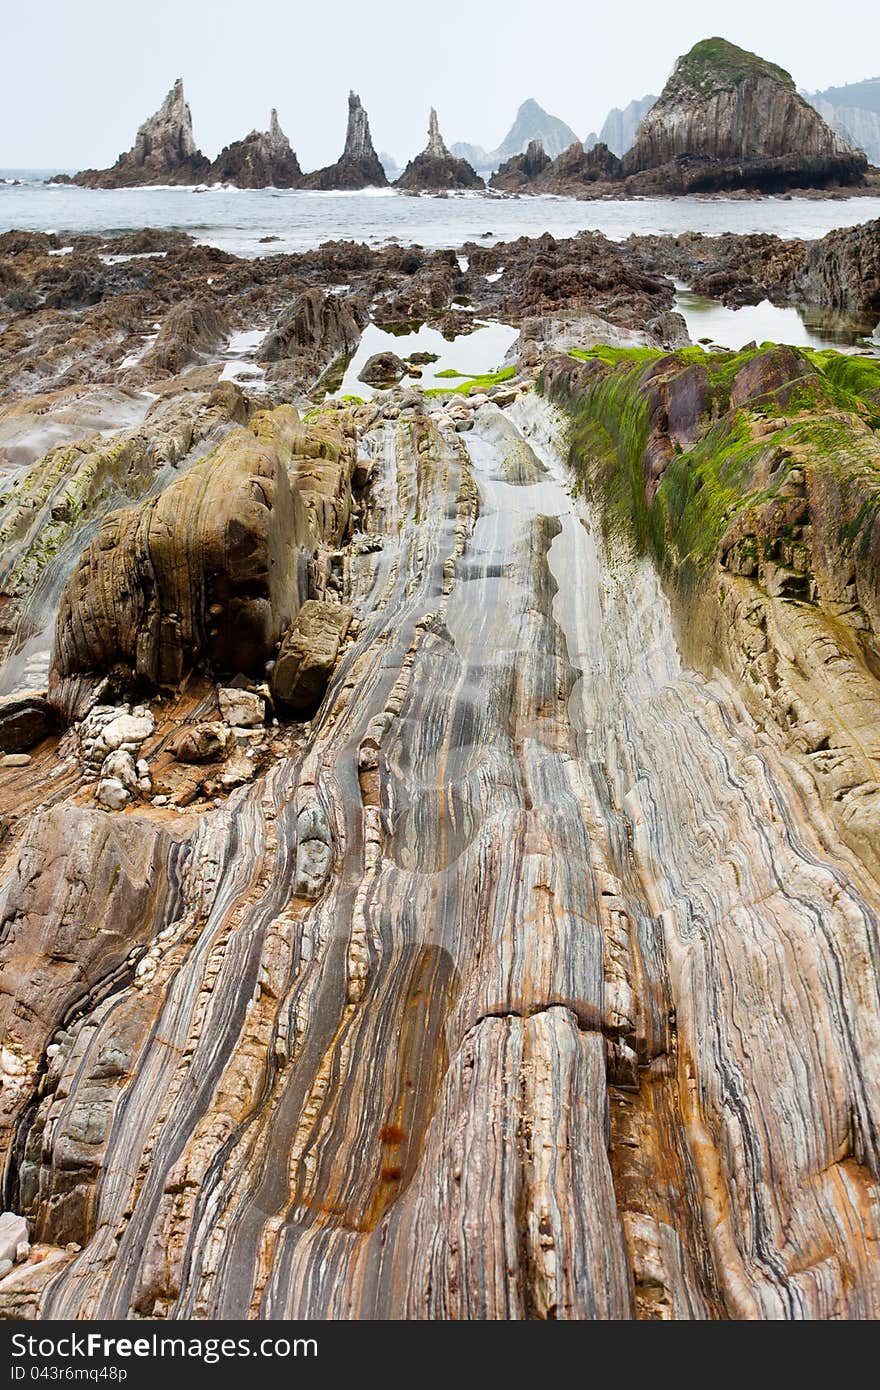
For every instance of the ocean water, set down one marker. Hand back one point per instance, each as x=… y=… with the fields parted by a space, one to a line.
x=709 y=320
x=240 y=220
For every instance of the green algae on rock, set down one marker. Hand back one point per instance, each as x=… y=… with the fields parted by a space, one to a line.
x=753 y=479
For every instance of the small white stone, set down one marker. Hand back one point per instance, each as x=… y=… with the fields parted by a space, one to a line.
x=120 y=765
x=128 y=728
x=112 y=794
x=241 y=707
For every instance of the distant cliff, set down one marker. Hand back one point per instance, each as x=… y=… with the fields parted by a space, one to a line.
x=620 y=126
x=854 y=112
x=729 y=119
x=531 y=122
x=164 y=151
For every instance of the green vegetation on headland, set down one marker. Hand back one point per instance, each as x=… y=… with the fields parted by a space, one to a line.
x=714 y=64
x=683 y=451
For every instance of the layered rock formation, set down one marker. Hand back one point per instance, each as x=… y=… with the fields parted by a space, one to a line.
x=842 y=270
x=491 y=995
x=359 y=165
x=728 y=119
x=309 y=336
x=435 y=168
x=752 y=478
x=165 y=151
x=263 y=159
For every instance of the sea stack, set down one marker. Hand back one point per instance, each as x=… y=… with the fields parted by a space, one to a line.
x=522 y=169
x=358 y=166
x=263 y=159
x=435 y=168
x=163 y=152
x=729 y=119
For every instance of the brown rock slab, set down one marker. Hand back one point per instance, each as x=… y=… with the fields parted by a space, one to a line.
x=309 y=653
x=25 y=720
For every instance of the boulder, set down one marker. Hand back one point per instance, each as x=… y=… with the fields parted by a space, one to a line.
x=308 y=655
x=383 y=369
x=214 y=567
x=199 y=743
x=25 y=720
x=13 y=1234
x=244 y=709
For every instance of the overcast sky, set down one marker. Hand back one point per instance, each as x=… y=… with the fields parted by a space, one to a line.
x=79 y=76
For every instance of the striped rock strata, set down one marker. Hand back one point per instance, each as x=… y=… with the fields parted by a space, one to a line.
x=535 y=983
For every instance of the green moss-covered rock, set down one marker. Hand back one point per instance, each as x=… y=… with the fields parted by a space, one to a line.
x=753 y=480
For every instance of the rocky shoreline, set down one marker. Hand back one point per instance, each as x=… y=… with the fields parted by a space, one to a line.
x=424 y=815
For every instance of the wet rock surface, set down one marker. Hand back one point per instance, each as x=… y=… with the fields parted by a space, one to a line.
x=458 y=798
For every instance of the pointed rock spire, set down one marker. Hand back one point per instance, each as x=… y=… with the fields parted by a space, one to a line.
x=263 y=159
x=358 y=141
x=435 y=147
x=435 y=169
x=359 y=165
x=164 y=151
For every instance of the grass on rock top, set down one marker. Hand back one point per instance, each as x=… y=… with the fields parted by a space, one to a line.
x=716 y=65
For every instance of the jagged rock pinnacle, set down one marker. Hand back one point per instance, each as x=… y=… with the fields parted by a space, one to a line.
x=170 y=128
x=164 y=151
x=436 y=168
x=358 y=166
x=358 y=142
x=435 y=146
x=262 y=159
